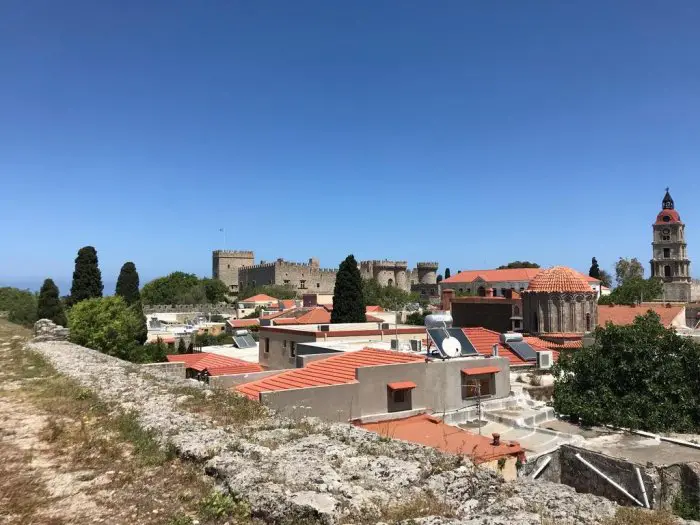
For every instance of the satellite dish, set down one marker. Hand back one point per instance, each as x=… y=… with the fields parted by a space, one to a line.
x=451 y=347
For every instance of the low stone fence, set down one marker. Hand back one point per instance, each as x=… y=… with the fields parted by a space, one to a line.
x=47 y=330
x=223 y=309
x=174 y=370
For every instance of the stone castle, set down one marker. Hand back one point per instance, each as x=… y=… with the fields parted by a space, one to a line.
x=237 y=269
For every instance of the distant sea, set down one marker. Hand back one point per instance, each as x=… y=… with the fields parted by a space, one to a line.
x=63 y=285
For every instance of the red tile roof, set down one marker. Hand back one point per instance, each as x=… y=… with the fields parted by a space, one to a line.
x=483 y=339
x=260 y=298
x=214 y=364
x=550 y=345
x=401 y=385
x=673 y=216
x=481 y=370
x=430 y=431
x=623 y=314
x=242 y=323
x=509 y=274
x=336 y=370
x=374 y=308
x=288 y=303
x=309 y=315
x=559 y=279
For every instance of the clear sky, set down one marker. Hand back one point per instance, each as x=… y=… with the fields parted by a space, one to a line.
x=472 y=133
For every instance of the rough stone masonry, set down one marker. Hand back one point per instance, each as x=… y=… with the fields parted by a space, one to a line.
x=325 y=473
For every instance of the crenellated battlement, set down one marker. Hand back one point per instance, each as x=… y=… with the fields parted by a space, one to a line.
x=428 y=265
x=257 y=266
x=234 y=253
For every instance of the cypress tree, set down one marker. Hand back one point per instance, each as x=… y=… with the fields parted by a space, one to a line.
x=49 y=305
x=128 y=283
x=87 y=279
x=439 y=278
x=181 y=348
x=595 y=269
x=142 y=333
x=348 y=300
x=447 y=273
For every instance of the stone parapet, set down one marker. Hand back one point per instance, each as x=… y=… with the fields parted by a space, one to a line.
x=47 y=330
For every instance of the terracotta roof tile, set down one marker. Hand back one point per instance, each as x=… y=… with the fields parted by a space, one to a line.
x=623 y=314
x=401 y=385
x=508 y=274
x=483 y=340
x=430 y=431
x=335 y=370
x=260 y=298
x=201 y=361
x=374 y=308
x=242 y=323
x=559 y=279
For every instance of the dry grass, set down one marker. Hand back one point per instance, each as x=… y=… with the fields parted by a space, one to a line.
x=224 y=407
x=634 y=516
x=80 y=439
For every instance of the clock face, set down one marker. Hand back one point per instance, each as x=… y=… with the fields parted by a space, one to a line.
x=666 y=231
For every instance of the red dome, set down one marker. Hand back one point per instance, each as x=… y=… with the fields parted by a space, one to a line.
x=668 y=217
x=559 y=279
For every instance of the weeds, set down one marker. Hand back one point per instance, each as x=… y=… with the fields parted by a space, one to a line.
x=418 y=506
x=225 y=407
x=686 y=508
x=218 y=505
x=633 y=516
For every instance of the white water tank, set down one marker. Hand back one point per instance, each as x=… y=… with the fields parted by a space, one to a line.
x=438 y=320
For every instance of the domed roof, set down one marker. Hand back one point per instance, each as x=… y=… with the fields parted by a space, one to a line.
x=559 y=279
x=668 y=216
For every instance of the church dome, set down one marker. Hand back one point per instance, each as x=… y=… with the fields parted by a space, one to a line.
x=668 y=216
x=559 y=279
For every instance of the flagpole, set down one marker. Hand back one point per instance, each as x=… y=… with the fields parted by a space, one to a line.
x=223 y=230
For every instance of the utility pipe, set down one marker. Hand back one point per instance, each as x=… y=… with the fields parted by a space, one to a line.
x=542 y=466
x=609 y=480
x=641 y=486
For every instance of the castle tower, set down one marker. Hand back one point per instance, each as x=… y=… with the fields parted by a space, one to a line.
x=401 y=276
x=427 y=272
x=669 y=256
x=226 y=263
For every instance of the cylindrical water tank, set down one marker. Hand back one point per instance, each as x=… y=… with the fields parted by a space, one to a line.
x=438 y=320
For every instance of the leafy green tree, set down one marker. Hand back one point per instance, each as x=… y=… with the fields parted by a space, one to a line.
x=519 y=264
x=348 y=300
x=447 y=273
x=20 y=305
x=595 y=269
x=49 y=305
x=181 y=347
x=142 y=334
x=215 y=290
x=87 y=278
x=605 y=279
x=639 y=376
x=634 y=290
x=388 y=297
x=171 y=289
x=416 y=318
x=106 y=324
x=255 y=314
x=626 y=269
x=128 y=283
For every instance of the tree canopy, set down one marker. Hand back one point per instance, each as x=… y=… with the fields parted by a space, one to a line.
x=595 y=269
x=20 y=305
x=128 y=283
x=605 y=279
x=348 y=299
x=634 y=290
x=388 y=297
x=640 y=376
x=518 y=264
x=49 y=304
x=447 y=273
x=87 y=278
x=626 y=269
x=183 y=288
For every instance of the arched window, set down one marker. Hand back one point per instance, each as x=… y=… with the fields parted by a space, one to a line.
x=481 y=292
x=588 y=322
x=667 y=271
x=535 y=324
x=516 y=311
x=391 y=282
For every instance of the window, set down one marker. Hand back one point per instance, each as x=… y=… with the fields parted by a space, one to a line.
x=390 y=282
x=292 y=349
x=266 y=345
x=667 y=253
x=516 y=311
x=284 y=344
x=302 y=284
x=318 y=285
x=504 y=291
x=286 y=281
x=399 y=396
x=228 y=266
x=665 y=237
x=588 y=322
x=475 y=386
x=667 y=271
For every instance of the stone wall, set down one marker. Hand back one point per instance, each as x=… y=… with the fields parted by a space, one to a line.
x=47 y=330
x=174 y=370
x=223 y=309
x=552 y=312
x=227 y=263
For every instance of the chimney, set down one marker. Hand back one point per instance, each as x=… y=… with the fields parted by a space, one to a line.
x=496 y=439
x=447 y=296
x=494 y=350
x=489 y=292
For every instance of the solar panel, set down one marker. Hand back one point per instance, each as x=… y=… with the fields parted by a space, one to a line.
x=467 y=346
x=523 y=350
x=437 y=336
x=249 y=340
x=242 y=341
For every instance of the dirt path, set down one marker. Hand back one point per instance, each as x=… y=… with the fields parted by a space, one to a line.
x=67 y=458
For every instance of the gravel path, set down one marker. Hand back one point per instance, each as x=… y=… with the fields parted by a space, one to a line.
x=318 y=473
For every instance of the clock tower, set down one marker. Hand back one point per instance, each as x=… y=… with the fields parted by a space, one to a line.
x=669 y=257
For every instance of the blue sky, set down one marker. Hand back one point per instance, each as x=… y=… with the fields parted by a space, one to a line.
x=473 y=133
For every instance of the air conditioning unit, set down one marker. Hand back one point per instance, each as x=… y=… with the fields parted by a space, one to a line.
x=395 y=344
x=324 y=327
x=544 y=360
x=416 y=345
x=511 y=337
x=385 y=326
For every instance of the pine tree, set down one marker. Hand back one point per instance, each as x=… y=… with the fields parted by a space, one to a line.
x=447 y=273
x=181 y=348
x=348 y=300
x=128 y=283
x=87 y=279
x=595 y=269
x=49 y=305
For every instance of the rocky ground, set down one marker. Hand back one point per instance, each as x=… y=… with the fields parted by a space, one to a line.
x=298 y=470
